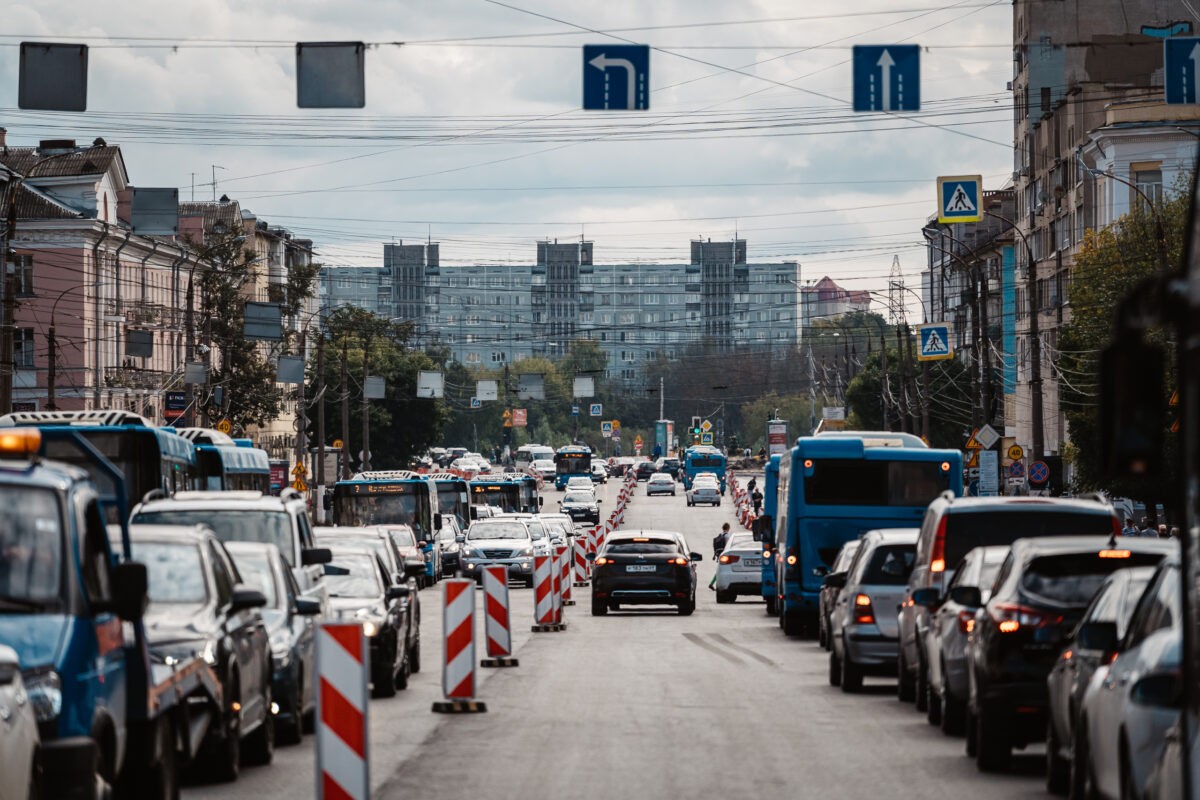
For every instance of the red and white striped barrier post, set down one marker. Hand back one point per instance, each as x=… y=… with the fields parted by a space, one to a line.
x=565 y=557
x=343 y=768
x=556 y=585
x=458 y=662
x=581 y=562
x=543 y=595
x=497 y=622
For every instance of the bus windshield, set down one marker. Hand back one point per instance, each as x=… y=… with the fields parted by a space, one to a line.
x=504 y=496
x=378 y=509
x=573 y=464
x=706 y=461
x=858 y=482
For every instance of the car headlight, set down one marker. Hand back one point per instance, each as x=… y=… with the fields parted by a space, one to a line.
x=281 y=647
x=209 y=652
x=528 y=551
x=44 y=689
x=370 y=622
x=369 y=628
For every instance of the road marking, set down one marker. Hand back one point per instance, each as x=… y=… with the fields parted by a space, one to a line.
x=712 y=648
x=759 y=657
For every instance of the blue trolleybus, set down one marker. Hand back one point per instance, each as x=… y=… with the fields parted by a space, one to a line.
x=839 y=486
x=764 y=527
x=570 y=462
x=223 y=463
x=703 y=458
x=391 y=497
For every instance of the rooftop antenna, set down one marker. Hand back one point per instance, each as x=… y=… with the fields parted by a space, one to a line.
x=193 y=187
x=215 y=167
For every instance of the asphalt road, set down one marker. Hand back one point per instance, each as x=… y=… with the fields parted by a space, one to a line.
x=650 y=704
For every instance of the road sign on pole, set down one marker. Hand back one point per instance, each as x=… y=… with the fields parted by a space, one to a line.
x=887 y=77
x=596 y=409
x=706 y=438
x=1181 y=69
x=1039 y=473
x=959 y=198
x=935 y=342
x=476 y=402
x=616 y=77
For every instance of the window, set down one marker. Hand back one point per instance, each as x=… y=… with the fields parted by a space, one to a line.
x=343 y=282
x=23 y=348
x=1149 y=181
x=650 y=299
x=472 y=358
x=24 y=274
x=223 y=578
x=626 y=319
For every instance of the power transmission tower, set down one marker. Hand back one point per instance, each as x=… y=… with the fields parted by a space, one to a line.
x=896 y=293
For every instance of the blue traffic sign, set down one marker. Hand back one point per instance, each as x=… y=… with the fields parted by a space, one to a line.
x=1016 y=470
x=476 y=402
x=935 y=342
x=958 y=198
x=597 y=409
x=574 y=411
x=887 y=77
x=1039 y=473
x=1181 y=69
x=616 y=77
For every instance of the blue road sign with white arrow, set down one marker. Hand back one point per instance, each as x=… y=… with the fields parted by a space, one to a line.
x=616 y=77
x=887 y=77
x=1181 y=69
x=935 y=342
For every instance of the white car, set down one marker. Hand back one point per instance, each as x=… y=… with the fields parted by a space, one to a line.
x=739 y=568
x=580 y=483
x=599 y=473
x=660 y=483
x=544 y=468
x=18 y=731
x=704 y=492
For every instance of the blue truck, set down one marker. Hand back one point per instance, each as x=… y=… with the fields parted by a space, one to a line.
x=111 y=719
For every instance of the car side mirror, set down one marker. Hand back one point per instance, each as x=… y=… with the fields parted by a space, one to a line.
x=414 y=570
x=315 y=555
x=1098 y=636
x=695 y=557
x=130 y=590
x=969 y=596
x=928 y=597
x=460 y=539
x=835 y=580
x=306 y=607
x=397 y=592
x=245 y=597
x=1159 y=689
x=820 y=572
x=591 y=556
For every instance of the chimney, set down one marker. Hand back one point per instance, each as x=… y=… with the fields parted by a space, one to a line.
x=125 y=205
x=55 y=146
x=4 y=140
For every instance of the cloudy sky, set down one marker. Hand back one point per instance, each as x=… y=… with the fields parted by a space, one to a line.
x=473 y=132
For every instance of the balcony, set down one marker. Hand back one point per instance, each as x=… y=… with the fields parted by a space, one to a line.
x=134 y=378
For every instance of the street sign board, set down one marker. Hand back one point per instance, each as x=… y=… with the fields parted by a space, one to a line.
x=972 y=442
x=487 y=390
x=833 y=413
x=584 y=386
x=476 y=402
x=987 y=436
x=706 y=426
x=574 y=411
x=299 y=485
x=616 y=77
x=935 y=342
x=1016 y=452
x=299 y=471
x=1039 y=473
x=989 y=473
x=972 y=461
x=1181 y=69
x=616 y=423
x=224 y=426
x=777 y=437
x=520 y=417
x=606 y=428
x=338 y=444
x=1016 y=470
x=887 y=77
x=959 y=198
x=597 y=409
x=706 y=438
x=637 y=442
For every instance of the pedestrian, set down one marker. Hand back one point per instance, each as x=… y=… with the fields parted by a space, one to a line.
x=719 y=542
x=1162 y=530
x=1147 y=528
x=756 y=498
x=1130 y=528
x=750 y=486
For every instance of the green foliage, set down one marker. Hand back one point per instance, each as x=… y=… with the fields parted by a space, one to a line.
x=796 y=409
x=948 y=395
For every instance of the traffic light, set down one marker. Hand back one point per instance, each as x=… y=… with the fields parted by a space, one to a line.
x=696 y=426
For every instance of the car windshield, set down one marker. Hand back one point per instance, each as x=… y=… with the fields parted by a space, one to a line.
x=661 y=477
x=231 y=525
x=628 y=547
x=890 y=565
x=579 y=497
x=498 y=530
x=256 y=571
x=174 y=572
x=403 y=537
x=967 y=530
x=375 y=543
x=740 y=540
x=1072 y=579
x=31 y=545
x=362 y=580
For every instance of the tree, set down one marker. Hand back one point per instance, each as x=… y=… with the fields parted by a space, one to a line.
x=796 y=409
x=948 y=396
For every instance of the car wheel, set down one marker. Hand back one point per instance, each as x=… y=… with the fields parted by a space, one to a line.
x=993 y=745
x=953 y=711
x=291 y=731
x=599 y=608
x=921 y=687
x=772 y=606
x=401 y=679
x=792 y=623
x=688 y=606
x=835 y=668
x=933 y=703
x=1058 y=769
x=158 y=780
x=529 y=582
x=725 y=597
x=383 y=679
x=224 y=758
x=822 y=634
x=852 y=674
x=260 y=745
x=969 y=727
x=906 y=687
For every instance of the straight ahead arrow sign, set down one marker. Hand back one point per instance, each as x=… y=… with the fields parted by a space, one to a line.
x=885 y=65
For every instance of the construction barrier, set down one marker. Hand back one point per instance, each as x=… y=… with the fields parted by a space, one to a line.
x=581 y=563
x=565 y=557
x=543 y=595
x=458 y=663
x=556 y=585
x=343 y=769
x=497 y=623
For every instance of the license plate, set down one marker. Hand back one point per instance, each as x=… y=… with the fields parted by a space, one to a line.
x=640 y=568
x=752 y=562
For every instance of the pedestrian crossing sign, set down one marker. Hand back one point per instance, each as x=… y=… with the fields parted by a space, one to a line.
x=959 y=198
x=935 y=342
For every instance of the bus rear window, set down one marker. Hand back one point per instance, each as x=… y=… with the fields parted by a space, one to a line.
x=855 y=482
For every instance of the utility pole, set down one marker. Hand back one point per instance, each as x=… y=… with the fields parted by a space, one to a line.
x=51 y=368
x=903 y=379
x=812 y=393
x=884 y=383
x=7 y=362
x=320 y=465
x=301 y=408
x=366 y=407
x=912 y=377
x=661 y=398
x=346 y=474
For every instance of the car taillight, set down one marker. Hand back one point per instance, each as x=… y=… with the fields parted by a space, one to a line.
x=966 y=621
x=601 y=561
x=938 y=560
x=864 y=613
x=730 y=559
x=1011 y=617
x=680 y=562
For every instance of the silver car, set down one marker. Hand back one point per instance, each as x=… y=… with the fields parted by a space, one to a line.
x=864 y=632
x=739 y=569
x=499 y=541
x=704 y=493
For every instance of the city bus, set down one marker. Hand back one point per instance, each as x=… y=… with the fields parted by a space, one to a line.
x=148 y=457
x=391 y=497
x=703 y=458
x=839 y=486
x=453 y=496
x=527 y=491
x=510 y=492
x=224 y=464
x=764 y=525
x=570 y=462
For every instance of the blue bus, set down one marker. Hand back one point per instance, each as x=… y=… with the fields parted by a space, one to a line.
x=839 y=486
x=149 y=458
x=453 y=496
x=703 y=458
x=530 y=501
x=764 y=527
x=511 y=492
x=391 y=497
x=572 y=461
x=224 y=464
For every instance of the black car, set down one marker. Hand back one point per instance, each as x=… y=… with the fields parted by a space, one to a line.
x=1073 y=670
x=581 y=506
x=451 y=550
x=1041 y=593
x=644 y=568
x=360 y=590
x=670 y=466
x=199 y=607
x=644 y=470
x=291 y=629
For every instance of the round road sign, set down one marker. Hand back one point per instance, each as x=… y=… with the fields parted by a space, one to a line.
x=338 y=444
x=1016 y=470
x=1016 y=453
x=224 y=426
x=1039 y=473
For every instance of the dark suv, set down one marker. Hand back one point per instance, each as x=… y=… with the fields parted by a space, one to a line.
x=644 y=470
x=1041 y=592
x=952 y=527
x=647 y=567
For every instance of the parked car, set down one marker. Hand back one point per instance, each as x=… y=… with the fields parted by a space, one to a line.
x=643 y=568
x=660 y=483
x=1040 y=595
x=500 y=540
x=1073 y=671
x=829 y=594
x=951 y=527
x=863 y=632
x=739 y=568
x=951 y=624
x=19 y=770
x=580 y=505
x=708 y=492
x=291 y=632
x=1128 y=710
x=360 y=591
x=200 y=607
